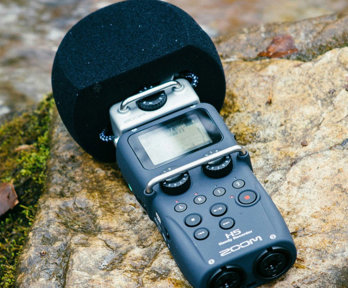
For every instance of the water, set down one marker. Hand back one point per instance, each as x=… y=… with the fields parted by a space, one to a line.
x=30 y=32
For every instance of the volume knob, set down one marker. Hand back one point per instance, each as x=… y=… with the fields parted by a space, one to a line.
x=153 y=102
x=177 y=184
x=218 y=168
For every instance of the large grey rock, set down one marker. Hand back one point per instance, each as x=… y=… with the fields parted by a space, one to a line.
x=299 y=148
x=90 y=231
x=312 y=37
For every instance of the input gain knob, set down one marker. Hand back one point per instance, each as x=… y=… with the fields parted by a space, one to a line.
x=153 y=102
x=177 y=184
x=218 y=168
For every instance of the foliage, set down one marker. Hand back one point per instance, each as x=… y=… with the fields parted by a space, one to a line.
x=24 y=151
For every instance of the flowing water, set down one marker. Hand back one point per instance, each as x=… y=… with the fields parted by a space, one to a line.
x=30 y=32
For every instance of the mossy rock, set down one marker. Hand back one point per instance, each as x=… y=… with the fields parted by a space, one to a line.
x=24 y=150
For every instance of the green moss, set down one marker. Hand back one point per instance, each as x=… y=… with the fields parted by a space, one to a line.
x=25 y=167
x=244 y=133
x=230 y=106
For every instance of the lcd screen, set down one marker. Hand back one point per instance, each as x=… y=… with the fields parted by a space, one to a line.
x=174 y=139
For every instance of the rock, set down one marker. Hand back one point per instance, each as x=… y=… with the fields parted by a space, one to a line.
x=91 y=232
x=312 y=37
x=308 y=183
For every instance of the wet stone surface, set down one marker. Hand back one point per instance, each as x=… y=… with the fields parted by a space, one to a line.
x=293 y=118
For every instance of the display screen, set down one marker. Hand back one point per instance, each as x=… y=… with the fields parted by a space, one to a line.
x=174 y=139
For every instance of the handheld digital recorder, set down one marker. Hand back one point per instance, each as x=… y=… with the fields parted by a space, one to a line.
x=196 y=183
x=173 y=148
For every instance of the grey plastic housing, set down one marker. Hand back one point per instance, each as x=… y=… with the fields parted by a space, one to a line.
x=134 y=117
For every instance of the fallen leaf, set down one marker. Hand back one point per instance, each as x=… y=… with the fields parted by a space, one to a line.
x=8 y=197
x=280 y=46
x=23 y=147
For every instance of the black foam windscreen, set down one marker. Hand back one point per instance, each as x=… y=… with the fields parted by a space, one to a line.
x=115 y=52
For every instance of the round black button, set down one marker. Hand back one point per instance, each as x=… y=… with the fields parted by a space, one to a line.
x=238 y=184
x=181 y=207
x=193 y=220
x=219 y=191
x=218 y=209
x=227 y=223
x=201 y=234
x=199 y=199
x=247 y=197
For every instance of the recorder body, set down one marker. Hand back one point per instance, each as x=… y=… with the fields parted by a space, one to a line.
x=220 y=225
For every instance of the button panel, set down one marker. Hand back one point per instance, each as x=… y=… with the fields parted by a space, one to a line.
x=244 y=198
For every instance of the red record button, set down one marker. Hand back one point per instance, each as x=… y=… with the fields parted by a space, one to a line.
x=247 y=197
